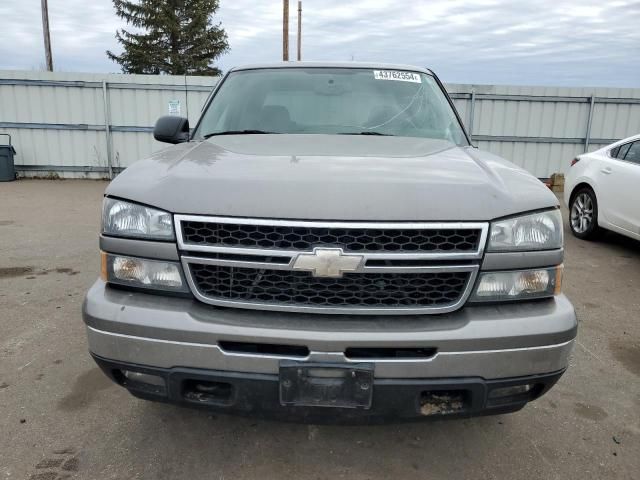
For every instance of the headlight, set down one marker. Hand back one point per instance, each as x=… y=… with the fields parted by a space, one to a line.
x=143 y=273
x=125 y=219
x=536 y=231
x=518 y=285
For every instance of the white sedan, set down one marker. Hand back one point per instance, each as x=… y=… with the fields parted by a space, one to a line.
x=602 y=190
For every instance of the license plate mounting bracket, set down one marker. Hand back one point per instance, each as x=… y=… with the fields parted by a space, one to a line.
x=326 y=384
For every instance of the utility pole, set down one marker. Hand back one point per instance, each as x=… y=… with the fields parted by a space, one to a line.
x=285 y=30
x=47 y=38
x=299 y=30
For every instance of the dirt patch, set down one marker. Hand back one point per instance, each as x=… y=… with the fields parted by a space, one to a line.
x=64 y=451
x=44 y=476
x=59 y=466
x=12 y=272
x=68 y=271
x=85 y=390
x=590 y=412
x=50 y=463
x=627 y=353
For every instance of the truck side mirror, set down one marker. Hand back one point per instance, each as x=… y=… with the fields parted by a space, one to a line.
x=171 y=129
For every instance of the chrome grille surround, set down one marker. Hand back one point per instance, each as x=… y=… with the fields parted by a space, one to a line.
x=381 y=262
x=304 y=236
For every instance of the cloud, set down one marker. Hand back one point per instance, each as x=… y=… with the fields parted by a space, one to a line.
x=546 y=42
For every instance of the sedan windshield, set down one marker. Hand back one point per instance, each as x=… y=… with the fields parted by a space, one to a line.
x=347 y=101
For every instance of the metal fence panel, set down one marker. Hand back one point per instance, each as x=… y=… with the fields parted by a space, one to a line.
x=543 y=128
x=57 y=120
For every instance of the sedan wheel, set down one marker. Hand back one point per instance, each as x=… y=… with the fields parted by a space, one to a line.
x=582 y=213
x=583 y=217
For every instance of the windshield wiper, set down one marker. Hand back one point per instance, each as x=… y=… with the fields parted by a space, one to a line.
x=239 y=132
x=367 y=132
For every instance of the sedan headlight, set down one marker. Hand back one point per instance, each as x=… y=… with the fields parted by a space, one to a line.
x=535 y=231
x=126 y=219
x=518 y=285
x=143 y=273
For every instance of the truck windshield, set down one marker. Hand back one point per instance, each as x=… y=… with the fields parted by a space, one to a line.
x=348 y=101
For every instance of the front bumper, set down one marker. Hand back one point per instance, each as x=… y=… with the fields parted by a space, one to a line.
x=476 y=344
x=393 y=399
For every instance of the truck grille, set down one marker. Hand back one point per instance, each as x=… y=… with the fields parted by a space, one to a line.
x=280 y=287
x=330 y=267
x=350 y=239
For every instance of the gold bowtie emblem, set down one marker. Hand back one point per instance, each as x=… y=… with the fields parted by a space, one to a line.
x=328 y=262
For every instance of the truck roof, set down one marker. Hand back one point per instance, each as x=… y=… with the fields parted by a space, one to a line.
x=371 y=65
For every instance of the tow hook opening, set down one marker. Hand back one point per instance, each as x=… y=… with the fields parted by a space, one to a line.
x=205 y=392
x=443 y=402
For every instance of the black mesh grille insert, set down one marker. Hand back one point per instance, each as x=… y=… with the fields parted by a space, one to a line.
x=350 y=239
x=284 y=287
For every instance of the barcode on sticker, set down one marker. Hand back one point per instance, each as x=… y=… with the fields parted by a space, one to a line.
x=395 y=75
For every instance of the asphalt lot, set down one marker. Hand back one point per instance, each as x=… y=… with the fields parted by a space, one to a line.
x=59 y=415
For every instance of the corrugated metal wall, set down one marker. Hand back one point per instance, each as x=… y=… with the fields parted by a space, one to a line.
x=543 y=128
x=57 y=120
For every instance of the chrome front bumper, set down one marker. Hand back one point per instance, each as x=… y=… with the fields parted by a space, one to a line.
x=490 y=342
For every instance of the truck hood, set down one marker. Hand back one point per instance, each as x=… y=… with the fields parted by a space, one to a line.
x=332 y=177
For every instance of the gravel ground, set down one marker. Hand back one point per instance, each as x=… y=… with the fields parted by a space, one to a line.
x=59 y=416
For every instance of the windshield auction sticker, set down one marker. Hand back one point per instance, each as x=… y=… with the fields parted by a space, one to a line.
x=399 y=76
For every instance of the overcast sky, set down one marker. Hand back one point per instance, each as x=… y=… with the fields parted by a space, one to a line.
x=543 y=42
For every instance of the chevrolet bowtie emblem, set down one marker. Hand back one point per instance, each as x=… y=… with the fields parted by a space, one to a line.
x=328 y=262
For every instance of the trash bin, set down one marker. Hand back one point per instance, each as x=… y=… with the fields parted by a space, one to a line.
x=7 y=169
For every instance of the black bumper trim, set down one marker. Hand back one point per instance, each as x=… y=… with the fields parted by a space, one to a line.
x=394 y=400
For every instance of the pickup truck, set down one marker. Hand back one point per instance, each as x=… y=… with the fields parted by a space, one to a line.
x=326 y=245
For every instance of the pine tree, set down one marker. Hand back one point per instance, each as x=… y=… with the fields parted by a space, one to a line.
x=175 y=37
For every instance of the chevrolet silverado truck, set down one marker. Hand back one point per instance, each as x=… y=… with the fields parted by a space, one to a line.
x=326 y=245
